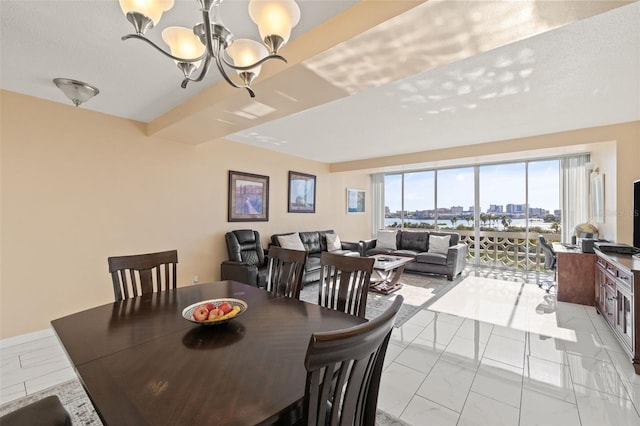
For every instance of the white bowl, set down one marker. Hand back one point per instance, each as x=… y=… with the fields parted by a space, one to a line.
x=187 y=313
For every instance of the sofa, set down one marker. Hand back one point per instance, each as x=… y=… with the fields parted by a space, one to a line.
x=433 y=252
x=314 y=243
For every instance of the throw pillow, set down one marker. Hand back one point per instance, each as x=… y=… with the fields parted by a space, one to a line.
x=439 y=244
x=291 y=241
x=386 y=240
x=333 y=242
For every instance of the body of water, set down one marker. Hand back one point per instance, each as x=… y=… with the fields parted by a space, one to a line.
x=447 y=222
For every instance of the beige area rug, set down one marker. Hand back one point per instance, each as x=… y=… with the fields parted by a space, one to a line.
x=77 y=403
x=418 y=291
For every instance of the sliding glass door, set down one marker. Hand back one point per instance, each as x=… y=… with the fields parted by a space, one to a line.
x=498 y=209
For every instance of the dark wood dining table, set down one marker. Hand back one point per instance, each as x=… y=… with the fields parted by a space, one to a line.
x=141 y=363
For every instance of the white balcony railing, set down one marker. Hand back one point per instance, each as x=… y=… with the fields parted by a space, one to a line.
x=507 y=249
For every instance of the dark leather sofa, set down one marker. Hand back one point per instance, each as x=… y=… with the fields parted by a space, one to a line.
x=415 y=244
x=315 y=242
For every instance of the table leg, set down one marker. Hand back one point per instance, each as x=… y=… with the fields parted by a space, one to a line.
x=389 y=281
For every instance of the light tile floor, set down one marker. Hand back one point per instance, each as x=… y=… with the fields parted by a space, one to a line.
x=488 y=352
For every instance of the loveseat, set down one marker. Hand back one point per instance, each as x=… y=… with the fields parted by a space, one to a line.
x=315 y=242
x=433 y=252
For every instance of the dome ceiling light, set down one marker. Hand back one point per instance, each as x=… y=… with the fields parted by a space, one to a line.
x=75 y=90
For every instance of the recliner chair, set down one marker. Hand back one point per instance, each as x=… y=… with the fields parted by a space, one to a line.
x=549 y=263
x=247 y=262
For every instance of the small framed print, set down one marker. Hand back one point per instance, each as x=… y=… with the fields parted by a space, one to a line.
x=355 y=201
x=302 y=193
x=248 y=197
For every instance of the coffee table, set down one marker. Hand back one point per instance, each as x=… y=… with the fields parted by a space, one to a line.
x=388 y=270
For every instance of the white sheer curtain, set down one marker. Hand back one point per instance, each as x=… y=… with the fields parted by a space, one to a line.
x=574 y=193
x=377 y=203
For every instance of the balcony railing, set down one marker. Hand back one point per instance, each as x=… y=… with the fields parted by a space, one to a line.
x=507 y=249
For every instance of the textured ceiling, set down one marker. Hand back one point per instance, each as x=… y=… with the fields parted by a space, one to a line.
x=367 y=80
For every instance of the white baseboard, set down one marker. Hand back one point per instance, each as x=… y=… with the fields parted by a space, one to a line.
x=24 y=338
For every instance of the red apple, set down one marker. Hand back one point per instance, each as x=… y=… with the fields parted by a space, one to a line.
x=201 y=313
x=225 y=307
x=210 y=306
x=215 y=313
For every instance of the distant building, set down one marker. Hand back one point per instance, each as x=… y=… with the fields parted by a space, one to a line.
x=516 y=208
x=537 y=212
x=495 y=208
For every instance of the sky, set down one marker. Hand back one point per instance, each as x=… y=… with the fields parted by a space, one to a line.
x=500 y=184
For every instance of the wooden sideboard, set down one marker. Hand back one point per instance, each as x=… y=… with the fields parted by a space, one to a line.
x=575 y=275
x=617 y=294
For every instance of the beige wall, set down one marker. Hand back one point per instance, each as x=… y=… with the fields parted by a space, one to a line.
x=79 y=186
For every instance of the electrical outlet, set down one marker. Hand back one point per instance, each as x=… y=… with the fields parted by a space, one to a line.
x=195 y=279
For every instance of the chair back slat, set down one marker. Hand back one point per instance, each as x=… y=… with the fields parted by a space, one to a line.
x=344 y=369
x=285 y=271
x=344 y=282
x=139 y=274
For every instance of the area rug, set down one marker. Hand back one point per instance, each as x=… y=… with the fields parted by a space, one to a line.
x=77 y=403
x=418 y=291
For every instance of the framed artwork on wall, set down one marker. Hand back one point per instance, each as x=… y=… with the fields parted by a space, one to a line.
x=355 y=201
x=302 y=193
x=248 y=197
x=597 y=198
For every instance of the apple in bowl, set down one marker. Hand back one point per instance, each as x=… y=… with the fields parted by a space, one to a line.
x=201 y=313
x=215 y=313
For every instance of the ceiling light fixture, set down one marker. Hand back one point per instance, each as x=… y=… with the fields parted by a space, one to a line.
x=195 y=49
x=75 y=90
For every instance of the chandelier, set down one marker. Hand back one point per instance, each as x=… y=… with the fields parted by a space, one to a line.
x=193 y=50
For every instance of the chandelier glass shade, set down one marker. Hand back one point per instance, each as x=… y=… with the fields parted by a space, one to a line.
x=210 y=41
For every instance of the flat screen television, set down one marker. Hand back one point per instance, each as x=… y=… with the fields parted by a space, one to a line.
x=636 y=214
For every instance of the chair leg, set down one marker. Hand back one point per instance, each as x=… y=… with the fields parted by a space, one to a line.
x=546 y=285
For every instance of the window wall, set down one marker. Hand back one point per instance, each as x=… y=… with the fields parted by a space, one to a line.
x=498 y=209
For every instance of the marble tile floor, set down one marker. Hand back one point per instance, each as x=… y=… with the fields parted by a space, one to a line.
x=489 y=352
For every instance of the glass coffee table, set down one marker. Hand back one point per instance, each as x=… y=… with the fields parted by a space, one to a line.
x=387 y=272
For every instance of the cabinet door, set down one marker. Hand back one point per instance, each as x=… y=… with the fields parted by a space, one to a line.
x=600 y=288
x=624 y=315
x=610 y=304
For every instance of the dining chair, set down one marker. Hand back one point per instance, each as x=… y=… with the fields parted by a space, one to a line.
x=47 y=411
x=549 y=263
x=286 y=268
x=139 y=274
x=344 y=369
x=344 y=282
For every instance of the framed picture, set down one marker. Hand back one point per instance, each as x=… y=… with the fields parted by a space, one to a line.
x=597 y=198
x=302 y=193
x=248 y=197
x=355 y=201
